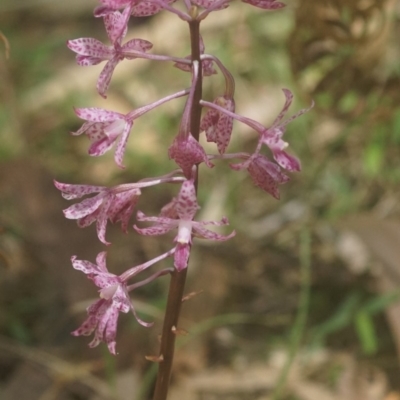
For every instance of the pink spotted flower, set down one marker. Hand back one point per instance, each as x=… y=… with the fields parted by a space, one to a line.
x=272 y=136
x=114 y=298
x=104 y=128
x=265 y=174
x=114 y=204
x=90 y=51
x=184 y=207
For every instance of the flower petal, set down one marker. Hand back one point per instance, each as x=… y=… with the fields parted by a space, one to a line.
x=146 y=9
x=84 y=222
x=101 y=147
x=85 y=207
x=267 y=175
x=289 y=98
x=122 y=207
x=90 y=47
x=70 y=191
x=154 y=230
x=102 y=218
x=115 y=4
x=287 y=161
x=85 y=266
x=89 y=325
x=217 y=125
x=116 y=26
x=122 y=142
x=110 y=332
x=187 y=205
x=137 y=45
x=86 y=61
x=95 y=114
x=105 y=76
x=204 y=233
x=101 y=261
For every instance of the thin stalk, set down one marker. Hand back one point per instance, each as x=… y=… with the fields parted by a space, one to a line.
x=178 y=279
x=297 y=332
x=196 y=109
x=167 y=347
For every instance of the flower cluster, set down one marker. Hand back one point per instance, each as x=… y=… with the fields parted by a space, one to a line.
x=106 y=129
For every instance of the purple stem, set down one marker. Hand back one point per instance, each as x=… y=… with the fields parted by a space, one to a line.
x=178 y=278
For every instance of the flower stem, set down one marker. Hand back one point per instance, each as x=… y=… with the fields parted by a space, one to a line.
x=167 y=349
x=178 y=278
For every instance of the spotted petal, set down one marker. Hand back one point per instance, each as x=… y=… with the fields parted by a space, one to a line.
x=105 y=76
x=94 y=114
x=70 y=192
x=267 y=175
x=137 y=45
x=116 y=26
x=217 y=125
x=85 y=207
x=90 y=47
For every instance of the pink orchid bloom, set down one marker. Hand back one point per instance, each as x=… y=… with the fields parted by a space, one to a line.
x=184 y=207
x=207 y=65
x=187 y=152
x=114 y=204
x=217 y=125
x=264 y=173
x=114 y=298
x=90 y=51
x=104 y=128
x=103 y=314
x=272 y=136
